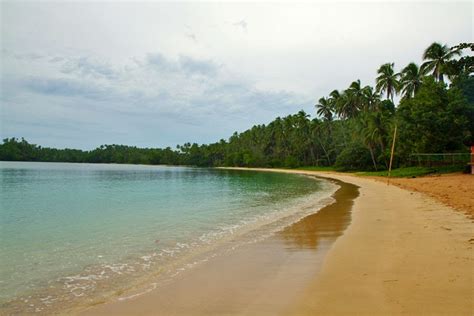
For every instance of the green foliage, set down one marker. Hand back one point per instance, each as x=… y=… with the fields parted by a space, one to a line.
x=410 y=80
x=466 y=85
x=437 y=57
x=353 y=157
x=388 y=80
x=14 y=150
x=436 y=120
x=411 y=172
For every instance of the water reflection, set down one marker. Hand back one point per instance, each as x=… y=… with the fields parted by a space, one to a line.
x=326 y=225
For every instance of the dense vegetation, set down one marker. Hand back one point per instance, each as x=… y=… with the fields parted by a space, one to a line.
x=353 y=130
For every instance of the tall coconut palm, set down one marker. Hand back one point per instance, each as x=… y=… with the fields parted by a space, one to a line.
x=387 y=80
x=353 y=100
x=335 y=100
x=436 y=56
x=334 y=95
x=410 y=81
x=325 y=109
x=371 y=99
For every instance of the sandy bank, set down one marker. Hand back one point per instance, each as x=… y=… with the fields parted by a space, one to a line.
x=455 y=190
x=403 y=253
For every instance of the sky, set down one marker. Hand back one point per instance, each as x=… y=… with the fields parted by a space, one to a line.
x=157 y=74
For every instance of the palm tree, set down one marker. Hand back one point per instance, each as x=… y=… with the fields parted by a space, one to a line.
x=410 y=80
x=463 y=66
x=325 y=108
x=350 y=102
x=371 y=99
x=335 y=100
x=368 y=137
x=436 y=56
x=334 y=95
x=387 y=80
x=318 y=134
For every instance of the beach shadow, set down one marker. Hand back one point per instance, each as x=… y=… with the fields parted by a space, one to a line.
x=325 y=226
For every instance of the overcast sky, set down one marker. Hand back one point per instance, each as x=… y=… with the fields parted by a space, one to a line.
x=160 y=74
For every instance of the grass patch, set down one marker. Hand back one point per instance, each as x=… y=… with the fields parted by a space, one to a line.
x=412 y=172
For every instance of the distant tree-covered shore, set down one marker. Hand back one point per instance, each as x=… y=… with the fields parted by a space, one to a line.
x=353 y=129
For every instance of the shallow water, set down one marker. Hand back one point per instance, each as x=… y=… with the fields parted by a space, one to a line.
x=77 y=231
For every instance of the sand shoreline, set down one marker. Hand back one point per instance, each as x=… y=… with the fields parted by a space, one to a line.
x=403 y=253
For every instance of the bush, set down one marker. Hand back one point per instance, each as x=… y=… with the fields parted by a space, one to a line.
x=354 y=157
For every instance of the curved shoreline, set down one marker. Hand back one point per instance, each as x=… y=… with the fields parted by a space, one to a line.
x=280 y=215
x=403 y=253
x=266 y=276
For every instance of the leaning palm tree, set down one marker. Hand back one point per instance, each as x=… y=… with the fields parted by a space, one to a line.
x=410 y=80
x=325 y=108
x=387 y=80
x=436 y=56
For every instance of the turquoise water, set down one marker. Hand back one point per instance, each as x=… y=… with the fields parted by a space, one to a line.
x=69 y=231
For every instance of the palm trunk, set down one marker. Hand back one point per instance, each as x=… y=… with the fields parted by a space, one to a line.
x=325 y=152
x=311 y=151
x=382 y=148
x=372 y=156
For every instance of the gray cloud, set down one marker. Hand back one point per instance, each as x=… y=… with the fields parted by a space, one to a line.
x=200 y=90
x=160 y=62
x=29 y=56
x=56 y=59
x=65 y=87
x=242 y=24
x=195 y=66
x=191 y=36
x=84 y=66
x=184 y=64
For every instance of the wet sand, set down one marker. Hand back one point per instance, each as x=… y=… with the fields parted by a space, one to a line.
x=402 y=253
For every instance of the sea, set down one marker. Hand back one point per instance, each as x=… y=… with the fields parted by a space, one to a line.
x=75 y=234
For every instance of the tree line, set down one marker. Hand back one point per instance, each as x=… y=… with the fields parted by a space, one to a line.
x=352 y=130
